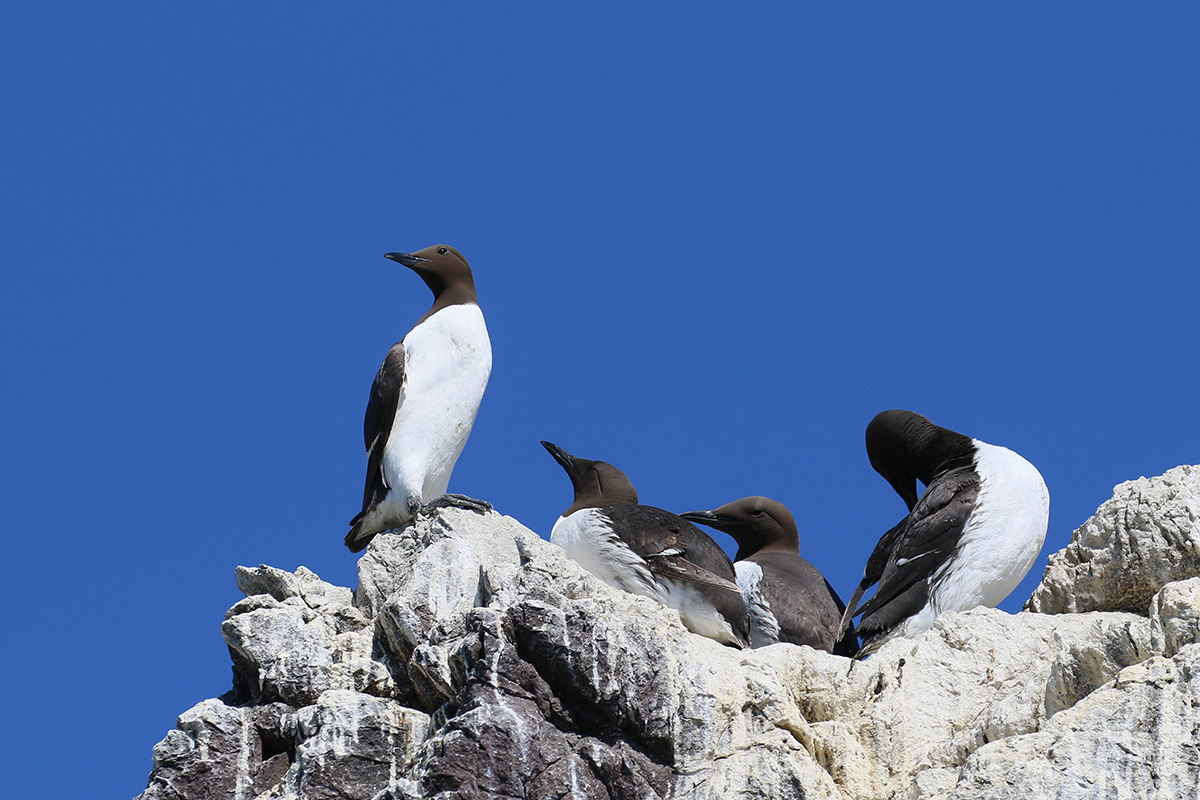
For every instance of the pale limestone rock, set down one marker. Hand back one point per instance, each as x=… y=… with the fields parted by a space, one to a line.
x=1089 y=651
x=1146 y=536
x=901 y=723
x=1175 y=617
x=1134 y=738
x=720 y=717
x=281 y=585
x=347 y=745
x=299 y=639
x=422 y=581
x=449 y=546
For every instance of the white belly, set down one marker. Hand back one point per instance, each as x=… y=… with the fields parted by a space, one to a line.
x=447 y=361
x=697 y=611
x=1002 y=538
x=588 y=538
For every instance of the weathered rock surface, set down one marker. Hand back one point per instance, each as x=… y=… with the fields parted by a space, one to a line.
x=1137 y=737
x=1175 y=617
x=1145 y=537
x=475 y=660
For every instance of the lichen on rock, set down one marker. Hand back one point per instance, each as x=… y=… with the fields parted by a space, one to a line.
x=1146 y=536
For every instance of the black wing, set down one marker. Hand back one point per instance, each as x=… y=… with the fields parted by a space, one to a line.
x=846 y=642
x=806 y=607
x=706 y=553
x=377 y=427
x=921 y=546
x=672 y=546
x=873 y=571
x=385 y=397
x=676 y=549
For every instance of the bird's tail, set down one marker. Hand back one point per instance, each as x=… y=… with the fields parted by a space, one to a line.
x=851 y=607
x=357 y=539
x=871 y=643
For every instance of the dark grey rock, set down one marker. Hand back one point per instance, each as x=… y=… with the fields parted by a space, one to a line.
x=220 y=751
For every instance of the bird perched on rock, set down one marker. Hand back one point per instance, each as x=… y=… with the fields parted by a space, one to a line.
x=788 y=599
x=424 y=399
x=648 y=551
x=967 y=541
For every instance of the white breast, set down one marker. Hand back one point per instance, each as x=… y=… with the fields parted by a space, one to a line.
x=447 y=361
x=764 y=627
x=1002 y=537
x=588 y=538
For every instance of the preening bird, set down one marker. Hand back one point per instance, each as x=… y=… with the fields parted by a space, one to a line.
x=424 y=400
x=648 y=551
x=967 y=541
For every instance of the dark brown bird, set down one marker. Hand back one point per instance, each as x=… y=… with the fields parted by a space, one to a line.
x=788 y=599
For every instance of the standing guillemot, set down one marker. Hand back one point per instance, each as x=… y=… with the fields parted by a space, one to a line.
x=967 y=541
x=424 y=399
x=648 y=551
x=789 y=600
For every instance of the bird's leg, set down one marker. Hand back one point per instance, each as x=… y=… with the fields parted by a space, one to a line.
x=458 y=501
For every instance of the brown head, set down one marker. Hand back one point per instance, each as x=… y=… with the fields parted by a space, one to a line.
x=445 y=272
x=904 y=447
x=596 y=483
x=757 y=524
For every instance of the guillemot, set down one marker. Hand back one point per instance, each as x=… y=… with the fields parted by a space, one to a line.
x=789 y=600
x=424 y=399
x=648 y=551
x=967 y=541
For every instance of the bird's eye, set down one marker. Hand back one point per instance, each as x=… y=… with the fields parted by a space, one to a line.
x=441 y=251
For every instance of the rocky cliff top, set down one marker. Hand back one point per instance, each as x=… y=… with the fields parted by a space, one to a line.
x=474 y=660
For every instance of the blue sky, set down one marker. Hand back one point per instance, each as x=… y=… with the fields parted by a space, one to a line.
x=710 y=243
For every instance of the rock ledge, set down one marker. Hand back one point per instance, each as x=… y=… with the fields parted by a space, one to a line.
x=475 y=661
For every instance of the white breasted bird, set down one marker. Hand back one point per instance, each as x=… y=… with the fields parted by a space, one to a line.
x=967 y=541
x=648 y=551
x=424 y=400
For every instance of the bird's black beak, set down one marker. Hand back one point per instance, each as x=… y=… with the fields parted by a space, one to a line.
x=710 y=518
x=565 y=459
x=407 y=259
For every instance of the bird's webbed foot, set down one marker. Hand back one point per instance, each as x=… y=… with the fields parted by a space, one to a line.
x=414 y=507
x=457 y=501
